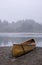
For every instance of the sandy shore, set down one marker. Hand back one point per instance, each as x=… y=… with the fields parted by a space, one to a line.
x=32 y=58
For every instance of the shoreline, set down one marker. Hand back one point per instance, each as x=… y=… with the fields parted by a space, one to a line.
x=32 y=58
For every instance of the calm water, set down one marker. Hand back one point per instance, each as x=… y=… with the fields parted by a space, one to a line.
x=20 y=34
x=10 y=39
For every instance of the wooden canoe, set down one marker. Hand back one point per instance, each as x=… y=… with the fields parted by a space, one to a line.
x=23 y=48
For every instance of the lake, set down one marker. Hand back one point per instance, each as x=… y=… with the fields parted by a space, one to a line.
x=8 y=39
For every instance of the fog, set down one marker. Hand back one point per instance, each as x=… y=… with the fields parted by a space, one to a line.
x=13 y=10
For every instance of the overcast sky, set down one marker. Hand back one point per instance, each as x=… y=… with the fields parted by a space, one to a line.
x=13 y=10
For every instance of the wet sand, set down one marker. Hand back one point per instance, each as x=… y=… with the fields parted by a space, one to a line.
x=32 y=58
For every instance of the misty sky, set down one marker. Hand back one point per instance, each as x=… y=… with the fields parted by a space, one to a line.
x=13 y=10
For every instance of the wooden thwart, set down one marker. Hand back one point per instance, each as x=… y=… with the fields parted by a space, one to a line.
x=23 y=48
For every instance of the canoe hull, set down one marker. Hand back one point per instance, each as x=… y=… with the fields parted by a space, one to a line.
x=23 y=48
x=17 y=50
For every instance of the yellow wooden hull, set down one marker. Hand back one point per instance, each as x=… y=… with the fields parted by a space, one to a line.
x=20 y=49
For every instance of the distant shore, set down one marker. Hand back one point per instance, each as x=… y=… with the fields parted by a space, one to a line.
x=32 y=58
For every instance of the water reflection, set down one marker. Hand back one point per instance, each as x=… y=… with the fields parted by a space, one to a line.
x=9 y=41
